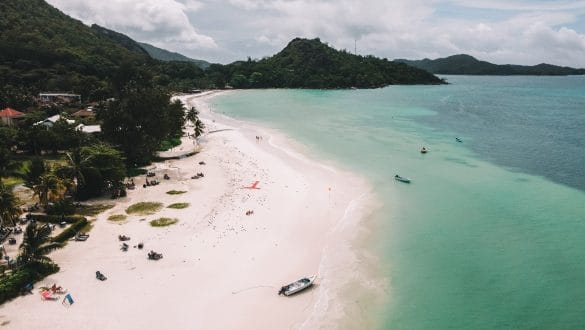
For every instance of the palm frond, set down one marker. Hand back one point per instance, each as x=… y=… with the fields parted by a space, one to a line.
x=48 y=248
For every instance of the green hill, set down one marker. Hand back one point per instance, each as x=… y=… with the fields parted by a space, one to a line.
x=165 y=55
x=42 y=49
x=465 y=64
x=305 y=63
x=120 y=39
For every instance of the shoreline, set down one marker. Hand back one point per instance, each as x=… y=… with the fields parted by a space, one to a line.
x=363 y=285
x=221 y=268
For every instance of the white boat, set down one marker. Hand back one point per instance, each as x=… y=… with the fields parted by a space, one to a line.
x=401 y=179
x=297 y=286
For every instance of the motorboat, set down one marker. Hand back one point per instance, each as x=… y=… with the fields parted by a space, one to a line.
x=297 y=286
x=401 y=178
x=423 y=150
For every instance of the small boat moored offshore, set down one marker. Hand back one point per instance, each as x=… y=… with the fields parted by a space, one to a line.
x=401 y=179
x=423 y=150
x=297 y=286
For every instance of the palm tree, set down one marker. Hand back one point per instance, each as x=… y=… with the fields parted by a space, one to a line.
x=192 y=115
x=50 y=189
x=36 y=244
x=199 y=126
x=9 y=208
x=76 y=161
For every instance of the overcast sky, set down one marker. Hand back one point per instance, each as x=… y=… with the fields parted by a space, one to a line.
x=499 y=31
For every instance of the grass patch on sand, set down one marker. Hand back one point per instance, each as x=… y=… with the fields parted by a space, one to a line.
x=87 y=228
x=144 y=208
x=178 y=206
x=11 y=181
x=175 y=192
x=163 y=222
x=92 y=210
x=117 y=217
x=169 y=143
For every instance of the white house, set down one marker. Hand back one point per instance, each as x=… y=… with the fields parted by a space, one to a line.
x=49 y=122
x=89 y=129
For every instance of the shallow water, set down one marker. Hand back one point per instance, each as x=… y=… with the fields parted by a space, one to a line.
x=490 y=231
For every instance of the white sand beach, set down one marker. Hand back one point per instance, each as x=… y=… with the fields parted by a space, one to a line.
x=221 y=268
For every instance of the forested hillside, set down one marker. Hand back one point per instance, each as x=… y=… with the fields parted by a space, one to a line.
x=305 y=63
x=465 y=64
x=42 y=49
x=165 y=55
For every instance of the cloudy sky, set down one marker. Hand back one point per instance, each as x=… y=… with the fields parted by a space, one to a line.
x=500 y=31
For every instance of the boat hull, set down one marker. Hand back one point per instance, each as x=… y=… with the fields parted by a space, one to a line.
x=401 y=179
x=298 y=286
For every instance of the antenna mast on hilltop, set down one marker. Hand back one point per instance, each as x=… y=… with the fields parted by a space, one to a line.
x=355 y=46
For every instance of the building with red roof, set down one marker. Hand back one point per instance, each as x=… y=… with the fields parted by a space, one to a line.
x=9 y=116
x=84 y=113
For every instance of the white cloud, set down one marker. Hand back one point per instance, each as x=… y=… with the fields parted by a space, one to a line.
x=164 y=22
x=526 y=5
x=502 y=31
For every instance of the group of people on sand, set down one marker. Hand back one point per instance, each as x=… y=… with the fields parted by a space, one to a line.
x=57 y=289
x=258 y=138
x=152 y=182
x=48 y=292
x=130 y=185
x=249 y=212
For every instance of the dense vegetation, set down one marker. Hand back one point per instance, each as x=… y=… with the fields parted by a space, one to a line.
x=165 y=55
x=305 y=63
x=32 y=263
x=120 y=39
x=42 y=49
x=465 y=64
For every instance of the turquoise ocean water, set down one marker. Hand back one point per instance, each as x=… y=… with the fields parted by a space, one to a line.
x=491 y=232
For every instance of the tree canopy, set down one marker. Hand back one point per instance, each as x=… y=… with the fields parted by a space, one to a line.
x=305 y=63
x=42 y=49
x=140 y=118
x=9 y=206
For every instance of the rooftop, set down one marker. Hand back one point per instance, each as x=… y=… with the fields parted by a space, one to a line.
x=10 y=113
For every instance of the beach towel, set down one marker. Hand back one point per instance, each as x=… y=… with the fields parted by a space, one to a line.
x=46 y=295
x=254 y=185
x=67 y=301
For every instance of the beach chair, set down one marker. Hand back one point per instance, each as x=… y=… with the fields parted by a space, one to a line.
x=27 y=289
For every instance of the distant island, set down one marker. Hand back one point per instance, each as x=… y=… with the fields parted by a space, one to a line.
x=468 y=65
x=165 y=55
